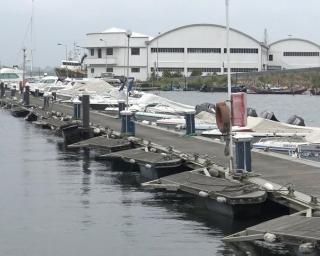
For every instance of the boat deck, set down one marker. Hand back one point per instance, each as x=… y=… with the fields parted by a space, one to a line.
x=141 y=156
x=294 y=226
x=103 y=142
x=293 y=229
x=193 y=182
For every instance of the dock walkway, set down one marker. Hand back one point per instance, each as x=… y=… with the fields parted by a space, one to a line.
x=301 y=175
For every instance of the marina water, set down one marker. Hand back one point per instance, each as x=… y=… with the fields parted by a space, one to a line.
x=61 y=202
x=284 y=106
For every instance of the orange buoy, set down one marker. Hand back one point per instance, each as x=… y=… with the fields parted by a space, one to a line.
x=223 y=117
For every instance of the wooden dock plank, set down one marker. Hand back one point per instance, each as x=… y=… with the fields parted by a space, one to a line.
x=291 y=226
x=103 y=142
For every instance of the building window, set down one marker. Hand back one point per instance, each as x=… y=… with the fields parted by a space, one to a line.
x=301 y=54
x=167 y=69
x=167 y=50
x=205 y=70
x=204 y=50
x=135 y=51
x=135 y=70
x=109 y=70
x=109 y=51
x=92 y=70
x=270 y=57
x=99 y=54
x=243 y=50
x=241 y=70
x=92 y=52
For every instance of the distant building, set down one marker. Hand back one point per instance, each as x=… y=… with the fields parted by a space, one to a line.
x=293 y=53
x=198 y=47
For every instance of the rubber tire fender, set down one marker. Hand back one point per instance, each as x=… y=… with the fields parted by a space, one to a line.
x=223 y=117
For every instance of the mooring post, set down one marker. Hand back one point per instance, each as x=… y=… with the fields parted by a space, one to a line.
x=127 y=123
x=122 y=106
x=243 y=152
x=45 y=102
x=54 y=96
x=85 y=111
x=13 y=92
x=190 y=123
x=27 y=95
x=2 y=90
x=76 y=109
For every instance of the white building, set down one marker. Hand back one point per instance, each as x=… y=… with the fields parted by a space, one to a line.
x=195 y=46
x=111 y=47
x=293 y=53
x=202 y=47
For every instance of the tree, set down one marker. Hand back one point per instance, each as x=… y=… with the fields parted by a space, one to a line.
x=196 y=72
x=166 y=74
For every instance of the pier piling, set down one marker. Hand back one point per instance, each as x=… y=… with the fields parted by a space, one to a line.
x=243 y=152
x=13 y=92
x=54 y=96
x=45 y=102
x=122 y=106
x=77 y=109
x=27 y=95
x=2 y=90
x=127 y=123
x=85 y=111
x=190 y=123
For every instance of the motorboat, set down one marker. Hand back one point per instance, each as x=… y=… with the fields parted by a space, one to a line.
x=278 y=90
x=279 y=144
x=45 y=84
x=295 y=146
x=11 y=77
x=71 y=69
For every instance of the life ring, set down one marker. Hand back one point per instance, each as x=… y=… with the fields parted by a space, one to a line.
x=223 y=117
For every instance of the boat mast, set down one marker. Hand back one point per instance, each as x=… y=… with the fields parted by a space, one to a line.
x=24 y=67
x=229 y=87
x=31 y=39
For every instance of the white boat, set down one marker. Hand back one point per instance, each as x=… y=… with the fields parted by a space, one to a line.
x=294 y=146
x=156 y=117
x=11 y=77
x=44 y=84
x=279 y=144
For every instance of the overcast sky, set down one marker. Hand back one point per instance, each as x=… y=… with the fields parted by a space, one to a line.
x=67 y=21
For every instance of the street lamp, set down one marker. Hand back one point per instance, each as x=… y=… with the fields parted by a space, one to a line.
x=229 y=85
x=66 y=47
x=128 y=33
x=157 y=72
x=105 y=42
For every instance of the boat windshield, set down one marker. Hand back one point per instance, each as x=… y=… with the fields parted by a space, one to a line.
x=49 y=81
x=8 y=76
x=283 y=139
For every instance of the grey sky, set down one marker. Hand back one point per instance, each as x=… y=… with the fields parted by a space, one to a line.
x=67 y=21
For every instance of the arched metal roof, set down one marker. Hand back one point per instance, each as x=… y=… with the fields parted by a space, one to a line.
x=295 y=39
x=208 y=25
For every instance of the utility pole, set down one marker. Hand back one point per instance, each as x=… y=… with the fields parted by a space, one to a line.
x=229 y=87
x=129 y=33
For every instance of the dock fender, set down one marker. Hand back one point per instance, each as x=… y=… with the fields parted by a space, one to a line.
x=223 y=117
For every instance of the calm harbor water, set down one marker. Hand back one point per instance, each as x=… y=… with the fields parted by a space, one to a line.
x=55 y=201
x=284 y=106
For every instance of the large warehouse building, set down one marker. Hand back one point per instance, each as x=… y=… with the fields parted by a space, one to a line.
x=192 y=47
